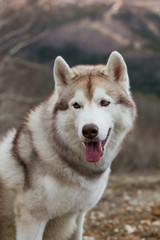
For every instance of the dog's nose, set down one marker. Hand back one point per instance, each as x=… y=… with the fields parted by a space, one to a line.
x=90 y=131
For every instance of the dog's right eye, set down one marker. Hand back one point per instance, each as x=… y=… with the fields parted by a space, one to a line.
x=104 y=103
x=76 y=105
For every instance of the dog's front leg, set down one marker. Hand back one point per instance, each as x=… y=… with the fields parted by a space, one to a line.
x=32 y=231
x=28 y=226
x=78 y=235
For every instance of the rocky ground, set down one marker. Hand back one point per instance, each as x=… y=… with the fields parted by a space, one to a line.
x=128 y=210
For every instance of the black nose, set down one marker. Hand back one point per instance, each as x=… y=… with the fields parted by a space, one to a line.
x=90 y=131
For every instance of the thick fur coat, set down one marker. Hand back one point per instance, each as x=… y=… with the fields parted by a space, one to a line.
x=55 y=166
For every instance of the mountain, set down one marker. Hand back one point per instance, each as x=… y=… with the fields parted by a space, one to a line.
x=99 y=28
x=95 y=27
x=86 y=32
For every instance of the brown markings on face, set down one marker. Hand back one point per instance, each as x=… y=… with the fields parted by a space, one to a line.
x=61 y=105
x=88 y=79
x=122 y=99
x=82 y=81
x=113 y=89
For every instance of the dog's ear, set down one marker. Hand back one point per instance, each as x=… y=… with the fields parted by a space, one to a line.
x=116 y=70
x=62 y=74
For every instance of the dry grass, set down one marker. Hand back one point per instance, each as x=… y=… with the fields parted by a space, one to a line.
x=128 y=210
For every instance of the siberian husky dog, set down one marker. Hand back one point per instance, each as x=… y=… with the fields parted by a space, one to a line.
x=55 y=166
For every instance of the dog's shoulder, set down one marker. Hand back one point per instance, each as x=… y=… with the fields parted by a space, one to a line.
x=10 y=170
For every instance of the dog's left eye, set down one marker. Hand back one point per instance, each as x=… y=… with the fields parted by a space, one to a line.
x=76 y=105
x=104 y=103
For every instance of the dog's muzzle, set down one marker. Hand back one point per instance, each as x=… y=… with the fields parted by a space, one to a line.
x=94 y=148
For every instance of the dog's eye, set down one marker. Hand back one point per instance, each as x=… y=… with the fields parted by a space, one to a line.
x=104 y=103
x=76 y=105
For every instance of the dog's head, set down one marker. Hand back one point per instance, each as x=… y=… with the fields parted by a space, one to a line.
x=94 y=109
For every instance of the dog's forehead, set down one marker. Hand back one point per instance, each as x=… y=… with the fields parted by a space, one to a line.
x=92 y=87
x=98 y=95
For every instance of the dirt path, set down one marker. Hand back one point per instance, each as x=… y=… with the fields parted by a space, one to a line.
x=129 y=210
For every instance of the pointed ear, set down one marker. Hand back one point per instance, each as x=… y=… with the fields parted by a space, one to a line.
x=62 y=74
x=116 y=69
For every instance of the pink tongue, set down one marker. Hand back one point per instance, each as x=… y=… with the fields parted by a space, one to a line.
x=93 y=151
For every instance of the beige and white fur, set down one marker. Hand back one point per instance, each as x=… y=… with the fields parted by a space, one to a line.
x=46 y=184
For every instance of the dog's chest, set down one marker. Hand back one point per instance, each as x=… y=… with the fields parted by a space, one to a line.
x=62 y=198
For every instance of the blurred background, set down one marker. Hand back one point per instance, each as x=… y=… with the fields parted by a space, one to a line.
x=33 y=33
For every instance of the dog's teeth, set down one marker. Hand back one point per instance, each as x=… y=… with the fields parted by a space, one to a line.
x=83 y=144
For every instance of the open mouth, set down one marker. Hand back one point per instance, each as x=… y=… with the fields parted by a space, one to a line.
x=94 y=150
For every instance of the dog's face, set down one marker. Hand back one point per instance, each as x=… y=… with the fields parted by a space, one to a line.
x=94 y=107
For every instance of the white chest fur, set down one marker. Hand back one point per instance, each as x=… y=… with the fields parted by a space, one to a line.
x=62 y=198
